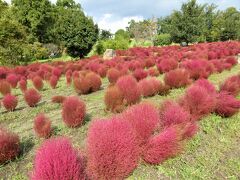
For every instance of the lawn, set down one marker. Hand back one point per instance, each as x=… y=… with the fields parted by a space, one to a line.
x=214 y=153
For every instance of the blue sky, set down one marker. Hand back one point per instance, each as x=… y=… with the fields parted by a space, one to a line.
x=113 y=14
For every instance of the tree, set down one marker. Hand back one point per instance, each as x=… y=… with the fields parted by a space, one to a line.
x=188 y=23
x=36 y=15
x=74 y=30
x=105 y=34
x=121 y=34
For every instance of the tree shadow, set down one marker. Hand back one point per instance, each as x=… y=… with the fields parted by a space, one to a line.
x=26 y=145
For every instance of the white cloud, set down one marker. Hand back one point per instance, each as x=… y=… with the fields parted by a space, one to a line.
x=112 y=23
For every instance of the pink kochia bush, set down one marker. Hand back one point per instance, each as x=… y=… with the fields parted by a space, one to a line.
x=198 y=101
x=144 y=119
x=177 y=78
x=112 y=150
x=23 y=85
x=209 y=87
x=9 y=145
x=73 y=111
x=167 y=65
x=227 y=104
x=13 y=80
x=42 y=126
x=113 y=74
x=32 y=97
x=231 y=85
x=38 y=83
x=171 y=113
x=57 y=159
x=10 y=102
x=160 y=147
x=129 y=87
x=53 y=81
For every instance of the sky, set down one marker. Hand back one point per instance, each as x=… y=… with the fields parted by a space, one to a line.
x=115 y=14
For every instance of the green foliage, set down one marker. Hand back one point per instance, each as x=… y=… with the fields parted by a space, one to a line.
x=121 y=34
x=162 y=39
x=99 y=48
x=39 y=52
x=104 y=34
x=75 y=31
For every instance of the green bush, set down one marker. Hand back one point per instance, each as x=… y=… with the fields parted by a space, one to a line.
x=162 y=39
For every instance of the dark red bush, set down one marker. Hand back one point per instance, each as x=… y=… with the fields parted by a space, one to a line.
x=53 y=81
x=129 y=87
x=162 y=146
x=81 y=85
x=231 y=60
x=57 y=159
x=113 y=75
x=42 y=126
x=38 y=83
x=227 y=105
x=58 y=99
x=112 y=149
x=23 y=85
x=144 y=119
x=5 y=87
x=172 y=113
x=32 y=97
x=113 y=99
x=13 y=80
x=73 y=111
x=146 y=88
x=177 y=78
x=10 y=102
x=9 y=145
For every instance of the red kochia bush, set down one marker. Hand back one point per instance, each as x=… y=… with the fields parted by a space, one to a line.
x=5 y=87
x=167 y=65
x=58 y=99
x=42 y=126
x=53 y=81
x=23 y=85
x=113 y=75
x=95 y=81
x=140 y=74
x=38 y=83
x=206 y=85
x=113 y=99
x=32 y=97
x=227 y=105
x=231 y=85
x=153 y=72
x=172 y=113
x=13 y=80
x=57 y=159
x=81 y=85
x=129 y=87
x=73 y=111
x=198 y=101
x=111 y=149
x=10 y=102
x=146 y=88
x=144 y=119
x=9 y=145
x=177 y=78
x=162 y=146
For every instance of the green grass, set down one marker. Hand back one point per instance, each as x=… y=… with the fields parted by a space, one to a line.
x=212 y=154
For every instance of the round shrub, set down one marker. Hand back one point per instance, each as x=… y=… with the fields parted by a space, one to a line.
x=129 y=87
x=42 y=126
x=146 y=87
x=81 y=85
x=9 y=145
x=23 y=85
x=57 y=159
x=172 y=113
x=206 y=85
x=231 y=85
x=5 y=87
x=38 y=83
x=167 y=65
x=190 y=129
x=12 y=79
x=113 y=75
x=73 y=111
x=140 y=74
x=95 y=81
x=112 y=150
x=144 y=119
x=113 y=99
x=32 y=97
x=58 y=99
x=227 y=104
x=162 y=146
x=177 y=78
x=53 y=81
x=10 y=102
x=153 y=72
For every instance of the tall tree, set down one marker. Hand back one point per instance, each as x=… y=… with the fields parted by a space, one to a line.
x=36 y=15
x=105 y=34
x=73 y=29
